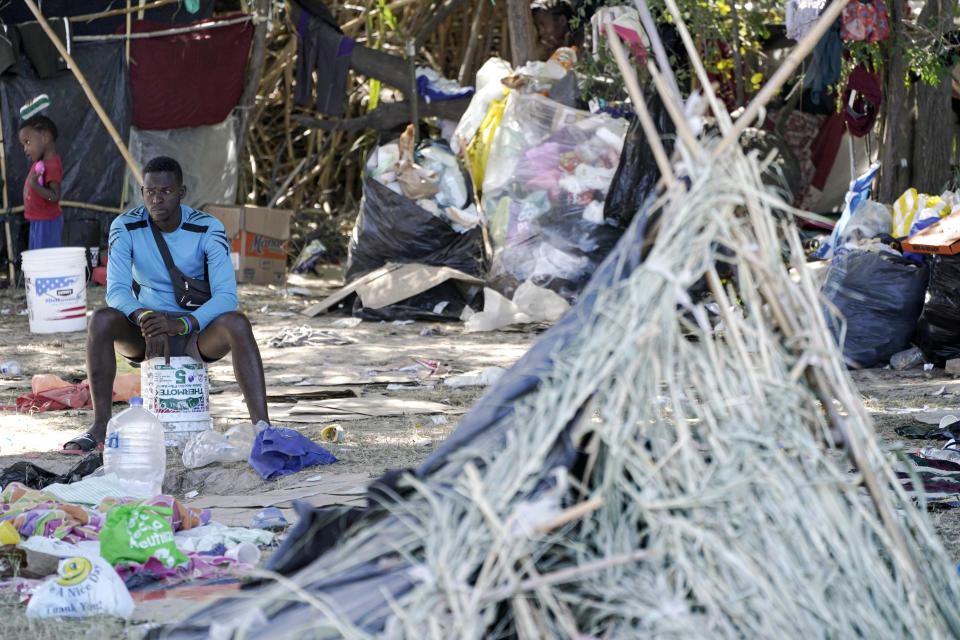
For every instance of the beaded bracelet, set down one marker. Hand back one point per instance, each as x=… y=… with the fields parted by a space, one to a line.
x=141 y=316
x=186 y=326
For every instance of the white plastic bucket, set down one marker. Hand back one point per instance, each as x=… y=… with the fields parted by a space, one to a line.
x=56 y=282
x=178 y=394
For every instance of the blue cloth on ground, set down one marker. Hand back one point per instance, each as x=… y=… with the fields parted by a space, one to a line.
x=278 y=452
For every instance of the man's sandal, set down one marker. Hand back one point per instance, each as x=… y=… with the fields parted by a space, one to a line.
x=80 y=445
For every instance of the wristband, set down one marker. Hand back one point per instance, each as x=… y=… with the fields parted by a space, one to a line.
x=186 y=326
x=190 y=321
x=140 y=317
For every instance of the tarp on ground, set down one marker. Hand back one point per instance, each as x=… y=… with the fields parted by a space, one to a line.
x=207 y=154
x=93 y=168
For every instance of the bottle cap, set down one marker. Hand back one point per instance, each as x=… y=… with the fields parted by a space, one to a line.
x=136 y=401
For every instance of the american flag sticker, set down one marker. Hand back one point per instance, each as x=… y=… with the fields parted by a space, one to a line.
x=61 y=297
x=61 y=286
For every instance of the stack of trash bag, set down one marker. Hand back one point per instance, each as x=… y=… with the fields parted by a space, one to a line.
x=417 y=207
x=938 y=330
x=544 y=189
x=878 y=294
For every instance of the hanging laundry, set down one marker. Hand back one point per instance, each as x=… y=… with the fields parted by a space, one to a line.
x=322 y=49
x=824 y=71
x=861 y=101
x=181 y=80
x=865 y=20
x=801 y=15
x=41 y=51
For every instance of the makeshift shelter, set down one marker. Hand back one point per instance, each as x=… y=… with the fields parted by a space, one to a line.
x=116 y=54
x=653 y=466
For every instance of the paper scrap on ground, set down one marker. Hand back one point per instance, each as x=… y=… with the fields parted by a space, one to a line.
x=530 y=304
x=392 y=283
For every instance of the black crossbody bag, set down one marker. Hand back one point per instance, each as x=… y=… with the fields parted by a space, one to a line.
x=190 y=293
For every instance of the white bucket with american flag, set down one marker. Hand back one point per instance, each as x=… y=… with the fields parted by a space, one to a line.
x=56 y=281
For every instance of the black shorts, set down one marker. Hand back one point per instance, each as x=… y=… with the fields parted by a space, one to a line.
x=182 y=346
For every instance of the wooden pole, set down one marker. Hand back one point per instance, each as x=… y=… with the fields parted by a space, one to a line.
x=6 y=206
x=473 y=42
x=251 y=82
x=520 y=24
x=87 y=17
x=104 y=118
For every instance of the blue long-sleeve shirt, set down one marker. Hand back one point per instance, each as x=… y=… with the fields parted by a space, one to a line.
x=134 y=256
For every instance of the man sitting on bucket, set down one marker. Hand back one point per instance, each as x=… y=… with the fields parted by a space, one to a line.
x=159 y=312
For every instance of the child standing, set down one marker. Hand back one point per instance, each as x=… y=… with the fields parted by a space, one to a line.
x=41 y=192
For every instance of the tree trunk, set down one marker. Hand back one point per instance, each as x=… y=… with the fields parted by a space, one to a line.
x=520 y=23
x=251 y=83
x=898 y=114
x=933 y=141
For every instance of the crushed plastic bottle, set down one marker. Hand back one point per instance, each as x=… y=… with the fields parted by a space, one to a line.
x=907 y=359
x=212 y=446
x=134 y=450
x=11 y=367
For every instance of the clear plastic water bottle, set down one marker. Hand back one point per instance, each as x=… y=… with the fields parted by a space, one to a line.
x=11 y=367
x=135 y=450
x=212 y=446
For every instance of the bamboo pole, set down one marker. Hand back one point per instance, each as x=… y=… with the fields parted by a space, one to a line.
x=782 y=74
x=117 y=12
x=166 y=32
x=104 y=118
x=6 y=206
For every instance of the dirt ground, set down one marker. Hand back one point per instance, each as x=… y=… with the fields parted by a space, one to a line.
x=371 y=445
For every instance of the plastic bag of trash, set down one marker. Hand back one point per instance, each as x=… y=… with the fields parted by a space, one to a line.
x=392 y=228
x=83 y=587
x=637 y=174
x=938 y=330
x=880 y=295
x=136 y=533
x=546 y=181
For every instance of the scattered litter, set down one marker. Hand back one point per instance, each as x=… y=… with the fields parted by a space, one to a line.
x=278 y=451
x=346 y=323
x=269 y=519
x=304 y=335
x=441 y=419
x=211 y=446
x=432 y=331
x=281 y=314
x=939 y=392
x=907 y=359
x=8 y=535
x=309 y=257
x=530 y=304
x=289 y=378
x=315 y=478
x=928 y=366
x=264 y=308
x=138 y=532
x=83 y=587
x=399 y=323
x=422 y=442
x=483 y=378
x=191 y=494
x=332 y=433
x=245 y=553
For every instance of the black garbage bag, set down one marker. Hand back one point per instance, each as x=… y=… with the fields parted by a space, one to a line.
x=637 y=173
x=392 y=228
x=938 y=330
x=37 y=477
x=880 y=295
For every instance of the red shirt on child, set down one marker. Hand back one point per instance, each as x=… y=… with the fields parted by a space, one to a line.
x=35 y=207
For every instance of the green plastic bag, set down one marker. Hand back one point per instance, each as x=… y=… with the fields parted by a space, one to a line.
x=136 y=533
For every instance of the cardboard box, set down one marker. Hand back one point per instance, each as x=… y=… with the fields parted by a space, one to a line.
x=258 y=241
x=942 y=237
